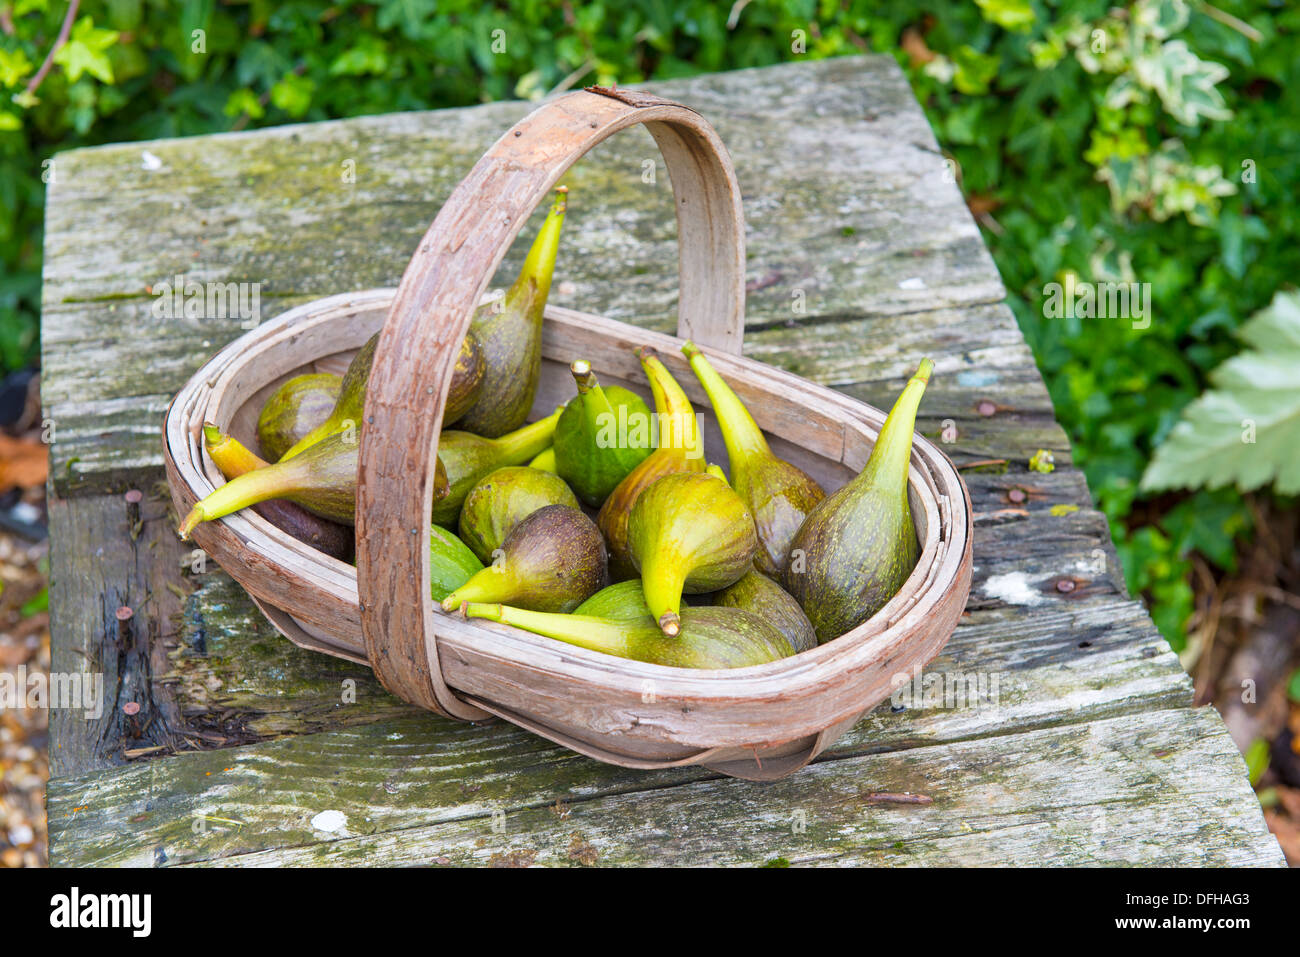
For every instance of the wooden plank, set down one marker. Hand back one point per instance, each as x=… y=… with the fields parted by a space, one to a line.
x=105 y=556
x=205 y=667
x=1163 y=787
x=878 y=233
x=1094 y=660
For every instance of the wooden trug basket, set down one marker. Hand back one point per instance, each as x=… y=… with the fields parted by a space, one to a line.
x=760 y=722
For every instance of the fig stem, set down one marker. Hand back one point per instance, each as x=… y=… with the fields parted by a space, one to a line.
x=894 y=444
x=529 y=441
x=595 y=634
x=673 y=409
x=229 y=454
x=482 y=587
x=743 y=437
x=534 y=280
x=248 y=489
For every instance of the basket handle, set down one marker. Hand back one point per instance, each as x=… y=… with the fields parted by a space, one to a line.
x=431 y=313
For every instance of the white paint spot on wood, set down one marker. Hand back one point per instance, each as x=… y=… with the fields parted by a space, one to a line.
x=150 y=162
x=1014 y=588
x=330 y=822
x=914 y=282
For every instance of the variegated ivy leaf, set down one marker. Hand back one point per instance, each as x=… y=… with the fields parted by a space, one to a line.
x=1185 y=83
x=1160 y=18
x=1246 y=429
x=1168 y=183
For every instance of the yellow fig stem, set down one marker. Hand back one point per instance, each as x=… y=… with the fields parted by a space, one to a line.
x=894 y=444
x=673 y=411
x=534 y=282
x=488 y=585
x=585 y=631
x=248 y=489
x=662 y=580
x=545 y=461
x=229 y=455
x=740 y=432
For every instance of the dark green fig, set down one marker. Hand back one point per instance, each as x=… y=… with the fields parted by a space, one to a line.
x=779 y=495
x=602 y=435
x=709 y=637
x=322 y=479
x=345 y=416
x=234 y=460
x=544 y=460
x=451 y=563
x=553 y=560
x=466 y=380
x=504 y=498
x=688 y=532
x=294 y=409
x=510 y=335
x=757 y=593
x=857 y=548
x=624 y=601
x=679 y=448
x=468 y=458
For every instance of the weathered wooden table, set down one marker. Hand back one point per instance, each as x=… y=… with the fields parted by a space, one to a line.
x=1083 y=747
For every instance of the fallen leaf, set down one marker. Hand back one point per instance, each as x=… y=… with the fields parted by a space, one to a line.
x=914 y=46
x=23 y=463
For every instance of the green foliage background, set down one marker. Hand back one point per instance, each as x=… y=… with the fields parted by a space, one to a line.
x=1108 y=144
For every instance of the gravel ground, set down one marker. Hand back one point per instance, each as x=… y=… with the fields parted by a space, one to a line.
x=24 y=767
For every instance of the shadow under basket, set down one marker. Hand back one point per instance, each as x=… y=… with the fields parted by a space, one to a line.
x=761 y=722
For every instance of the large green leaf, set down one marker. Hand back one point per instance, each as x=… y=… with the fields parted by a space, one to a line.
x=1246 y=430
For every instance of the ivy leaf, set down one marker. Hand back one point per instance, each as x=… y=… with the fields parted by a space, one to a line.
x=243 y=101
x=84 y=52
x=975 y=70
x=14 y=66
x=293 y=94
x=1014 y=15
x=1186 y=84
x=370 y=55
x=411 y=16
x=1246 y=430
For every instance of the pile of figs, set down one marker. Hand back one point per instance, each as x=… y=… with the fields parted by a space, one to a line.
x=601 y=525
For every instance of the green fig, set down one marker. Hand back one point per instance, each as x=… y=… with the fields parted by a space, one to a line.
x=553 y=560
x=468 y=457
x=709 y=637
x=234 y=460
x=504 y=498
x=757 y=593
x=857 y=548
x=688 y=532
x=679 y=448
x=602 y=435
x=466 y=384
x=510 y=335
x=322 y=479
x=466 y=381
x=545 y=461
x=294 y=409
x=779 y=495
x=346 y=414
x=451 y=563
x=624 y=601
